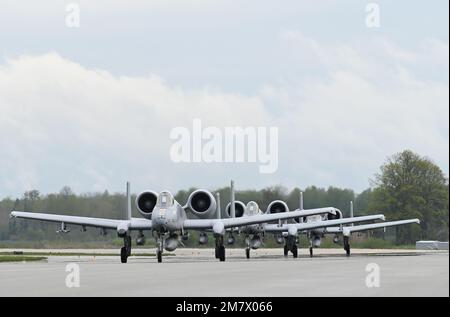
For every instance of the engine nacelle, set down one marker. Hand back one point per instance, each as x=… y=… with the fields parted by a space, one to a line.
x=202 y=203
x=336 y=214
x=239 y=209
x=146 y=202
x=277 y=206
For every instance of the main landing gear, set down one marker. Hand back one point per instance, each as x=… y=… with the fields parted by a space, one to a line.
x=347 y=246
x=247 y=247
x=220 y=249
x=160 y=248
x=159 y=256
x=125 y=251
x=294 y=251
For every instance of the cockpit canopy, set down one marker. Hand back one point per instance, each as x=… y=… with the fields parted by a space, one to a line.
x=165 y=200
x=252 y=208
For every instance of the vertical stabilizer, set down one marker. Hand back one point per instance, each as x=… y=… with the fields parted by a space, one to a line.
x=232 y=206
x=218 y=206
x=301 y=201
x=300 y=205
x=351 y=209
x=128 y=211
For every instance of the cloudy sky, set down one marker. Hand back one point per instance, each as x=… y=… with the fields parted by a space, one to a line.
x=93 y=106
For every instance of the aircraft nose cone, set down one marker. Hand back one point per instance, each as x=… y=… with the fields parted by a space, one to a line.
x=161 y=221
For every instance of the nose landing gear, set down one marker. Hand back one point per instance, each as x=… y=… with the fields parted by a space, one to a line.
x=159 y=256
x=220 y=249
x=125 y=251
x=160 y=248
x=291 y=245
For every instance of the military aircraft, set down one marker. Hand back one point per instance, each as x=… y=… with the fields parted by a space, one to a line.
x=289 y=231
x=254 y=233
x=166 y=219
x=316 y=226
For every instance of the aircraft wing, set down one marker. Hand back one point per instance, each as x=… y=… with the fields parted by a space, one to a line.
x=250 y=220
x=134 y=223
x=321 y=224
x=350 y=229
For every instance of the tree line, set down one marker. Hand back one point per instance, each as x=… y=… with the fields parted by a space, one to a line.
x=406 y=186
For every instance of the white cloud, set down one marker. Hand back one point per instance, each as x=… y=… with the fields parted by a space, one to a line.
x=76 y=125
x=65 y=124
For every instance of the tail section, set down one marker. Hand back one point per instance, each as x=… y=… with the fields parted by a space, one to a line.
x=128 y=210
x=232 y=201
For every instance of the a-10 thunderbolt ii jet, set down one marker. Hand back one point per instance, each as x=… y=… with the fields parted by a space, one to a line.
x=166 y=219
x=315 y=235
x=314 y=226
x=254 y=233
x=289 y=232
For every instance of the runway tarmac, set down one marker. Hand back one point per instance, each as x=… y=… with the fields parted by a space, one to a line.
x=194 y=272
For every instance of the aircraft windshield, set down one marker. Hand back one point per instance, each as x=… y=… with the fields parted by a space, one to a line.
x=252 y=208
x=165 y=200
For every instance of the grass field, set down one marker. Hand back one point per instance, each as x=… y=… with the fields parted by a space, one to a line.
x=24 y=254
x=356 y=241
x=20 y=258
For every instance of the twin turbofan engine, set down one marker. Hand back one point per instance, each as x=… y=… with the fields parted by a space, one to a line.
x=201 y=203
x=277 y=206
x=239 y=209
x=146 y=202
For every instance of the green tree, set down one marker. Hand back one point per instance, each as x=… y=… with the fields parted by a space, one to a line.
x=411 y=186
x=362 y=202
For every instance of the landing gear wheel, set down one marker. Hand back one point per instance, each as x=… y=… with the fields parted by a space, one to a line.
x=217 y=252
x=128 y=245
x=311 y=252
x=159 y=256
x=294 y=251
x=123 y=255
x=222 y=253
x=286 y=250
x=346 y=246
x=247 y=253
x=347 y=250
